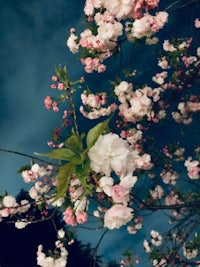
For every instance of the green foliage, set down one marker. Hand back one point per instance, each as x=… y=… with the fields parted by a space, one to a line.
x=61 y=73
x=59 y=154
x=75 y=155
x=74 y=142
x=95 y=132
x=63 y=178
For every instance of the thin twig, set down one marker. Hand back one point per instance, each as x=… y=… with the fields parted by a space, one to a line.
x=27 y=156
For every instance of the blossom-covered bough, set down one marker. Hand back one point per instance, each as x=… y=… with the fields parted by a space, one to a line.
x=137 y=154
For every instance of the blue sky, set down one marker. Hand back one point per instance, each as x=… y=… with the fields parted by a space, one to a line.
x=33 y=36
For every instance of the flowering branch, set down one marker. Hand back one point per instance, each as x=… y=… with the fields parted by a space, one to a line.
x=122 y=164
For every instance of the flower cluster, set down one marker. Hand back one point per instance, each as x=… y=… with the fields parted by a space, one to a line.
x=100 y=42
x=121 y=166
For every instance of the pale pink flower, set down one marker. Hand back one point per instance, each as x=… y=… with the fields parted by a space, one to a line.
x=190 y=253
x=69 y=217
x=198 y=51
x=54 y=78
x=172 y=199
x=146 y=26
x=147 y=246
x=9 y=202
x=157 y=193
x=156 y=238
x=60 y=86
x=24 y=206
x=110 y=153
x=193 y=168
x=197 y=23
x=90 y=5
x=101 y=68
x=161 y=263
x=119 y=8
x=167 y=46
x=5 y=212
x=75 y=194
x=33 y=193
x=169 y=177
x=72 y=43
x=163 y=63
x=128 y=181
x=21 y=224
x=81 y=204
x=120 y=194
x=159 y=78
x=81 y=217
x=48 y=102
x=117 y=216
x=143 y=162
x=105 y=184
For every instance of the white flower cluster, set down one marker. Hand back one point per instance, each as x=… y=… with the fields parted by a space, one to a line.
x=184 y=115
x=135 y=104
x=169 y=177
x=190 y=253
x=117 y=216
x=110 y=26
x=47 y=261
x=146 y=26
x=161 y=263
x=193 y=168
x=159 y=78
x=96 y=105
x=157 y=193
x=35 y=172
x=156 y=238
x=10 y=206
x=112 y=153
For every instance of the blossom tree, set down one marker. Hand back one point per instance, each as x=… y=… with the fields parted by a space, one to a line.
x=134 y=157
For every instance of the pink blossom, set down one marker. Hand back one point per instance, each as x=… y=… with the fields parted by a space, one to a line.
x=101 y=68
x=193 y=168
x=55 y=106
x=117 y=216
x=197 y=23
x=29 y=176
x=72 y=43
x=168 y=47
x=83 y=42
x=48 y=102
x=119 y=194
x=54 y=78
x=81 y=217
x=69 y=217
x=172 y=199
x=157 y=193
x=120 y=9
x=53 y=86
x=60 y=86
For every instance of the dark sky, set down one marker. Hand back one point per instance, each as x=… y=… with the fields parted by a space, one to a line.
x=33 y=36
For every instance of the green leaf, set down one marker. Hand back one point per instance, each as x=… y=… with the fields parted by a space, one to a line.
x=60 y=154
x=95 y=132
x=83 y=169
x=63 y=179
x=82 y=172
x=74 y=143
x=78 y=158
x=24 y=168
